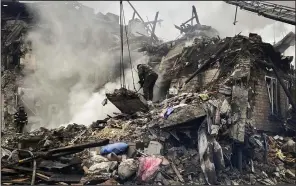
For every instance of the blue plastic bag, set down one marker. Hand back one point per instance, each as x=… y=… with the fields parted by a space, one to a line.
x=168 y=112
x=116 y=148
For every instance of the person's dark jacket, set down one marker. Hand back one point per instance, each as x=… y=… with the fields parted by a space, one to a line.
x=144 y=71
x=21 y=117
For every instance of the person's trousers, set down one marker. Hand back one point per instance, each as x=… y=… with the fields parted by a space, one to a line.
x=148 y=86
x=21 y=127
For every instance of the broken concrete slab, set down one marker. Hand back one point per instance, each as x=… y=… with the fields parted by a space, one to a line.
x=128 y=101
x=182 y=115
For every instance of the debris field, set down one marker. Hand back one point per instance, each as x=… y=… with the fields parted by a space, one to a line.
x=226 y=116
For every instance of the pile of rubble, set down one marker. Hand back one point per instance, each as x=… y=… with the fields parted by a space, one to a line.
x=170 y=144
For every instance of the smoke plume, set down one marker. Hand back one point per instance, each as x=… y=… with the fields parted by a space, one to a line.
x=72 y=61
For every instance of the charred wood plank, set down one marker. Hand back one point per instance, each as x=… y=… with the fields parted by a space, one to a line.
x=78 y=147
x=195 y=15
x=208 y=62
x=188 y=21
x=62 y=151
x=153 y=35
x=154 y=26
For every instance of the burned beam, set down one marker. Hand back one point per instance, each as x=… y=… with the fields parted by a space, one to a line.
x=195 y=14
x=192 y=15
x=62 y=151
x=149 y=22
x=188 y=20
x=77 y=147
x=179 y=28
x=154 y=25
x=206 y=63
x=136 y=12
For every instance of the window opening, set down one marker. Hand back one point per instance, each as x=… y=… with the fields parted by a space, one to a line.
x=271 y=84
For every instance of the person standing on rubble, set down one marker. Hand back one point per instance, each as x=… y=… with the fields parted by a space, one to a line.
x=20 y=119
x=147 y=80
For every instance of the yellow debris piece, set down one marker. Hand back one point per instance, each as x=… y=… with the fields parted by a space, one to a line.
x=204 y=97
x=279 y=154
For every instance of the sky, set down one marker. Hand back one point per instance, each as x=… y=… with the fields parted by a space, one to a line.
x=217 y=14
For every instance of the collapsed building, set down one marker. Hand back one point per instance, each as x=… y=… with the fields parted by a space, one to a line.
x=200 y=71
x=226 y=117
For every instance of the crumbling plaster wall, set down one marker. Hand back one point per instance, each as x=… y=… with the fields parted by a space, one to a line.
x=261 y=109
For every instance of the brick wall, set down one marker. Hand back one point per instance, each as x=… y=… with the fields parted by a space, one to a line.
x=283 y=101
x=261 y=109
x=199 y=81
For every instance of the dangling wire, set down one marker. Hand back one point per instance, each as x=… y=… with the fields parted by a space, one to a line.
x=274 y=33
x=129 y=53
x=235 y=21
x=122 y=76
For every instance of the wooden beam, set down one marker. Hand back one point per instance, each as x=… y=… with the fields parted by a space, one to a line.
x=188 y=20
x=135 y=11
x=195 y=14
x=192 y=19
x=149 y=22
x=154 y=26
x=134 y=14
x=153 y=35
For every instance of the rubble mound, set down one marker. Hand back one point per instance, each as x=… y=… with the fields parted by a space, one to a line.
x=175 y=157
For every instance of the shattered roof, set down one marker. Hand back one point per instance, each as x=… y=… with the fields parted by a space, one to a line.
x=238 y=46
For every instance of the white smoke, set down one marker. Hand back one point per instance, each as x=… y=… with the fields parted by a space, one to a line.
x=93 y=109
x=72 y=61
